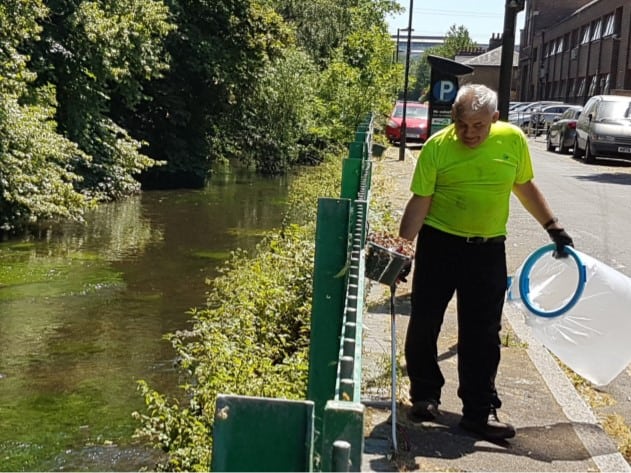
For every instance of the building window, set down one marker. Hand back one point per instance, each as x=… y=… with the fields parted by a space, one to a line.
x=609 y=25
x=581 y=88
x=605 y=84
x=559 y=46
x=574 y=41
x=585 y=35
x=570 y=89
x=593 y=86
x=597 y=29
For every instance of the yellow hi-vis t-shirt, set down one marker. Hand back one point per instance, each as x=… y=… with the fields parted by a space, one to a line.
x=471 y=188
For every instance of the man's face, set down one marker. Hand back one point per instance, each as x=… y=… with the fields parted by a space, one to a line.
x=472 y=128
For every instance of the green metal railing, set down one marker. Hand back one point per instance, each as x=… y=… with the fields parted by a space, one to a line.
x=325 y=432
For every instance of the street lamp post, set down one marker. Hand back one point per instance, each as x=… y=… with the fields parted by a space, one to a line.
x=402 y=140
x=508 y=47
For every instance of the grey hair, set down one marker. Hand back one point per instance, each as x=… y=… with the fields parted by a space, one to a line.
x=475 y=97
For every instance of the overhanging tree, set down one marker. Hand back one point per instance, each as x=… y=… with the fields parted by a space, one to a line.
x=96 y=53
x=37 y=182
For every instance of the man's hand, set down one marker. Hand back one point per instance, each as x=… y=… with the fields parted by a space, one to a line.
x=561 y=239
x=405 y=270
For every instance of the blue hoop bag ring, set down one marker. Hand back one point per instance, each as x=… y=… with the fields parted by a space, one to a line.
x=524 y=281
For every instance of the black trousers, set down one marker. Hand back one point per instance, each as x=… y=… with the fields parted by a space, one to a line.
x=476 y=272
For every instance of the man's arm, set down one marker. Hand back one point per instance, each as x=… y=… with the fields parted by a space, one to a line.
x=535 y=203
x=414 y=215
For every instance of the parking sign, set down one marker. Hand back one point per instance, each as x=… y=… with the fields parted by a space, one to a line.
x=444 y=87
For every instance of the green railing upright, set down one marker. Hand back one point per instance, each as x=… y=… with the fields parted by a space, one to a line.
x=325 y=432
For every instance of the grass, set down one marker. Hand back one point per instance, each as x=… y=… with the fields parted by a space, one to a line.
x=510 y=340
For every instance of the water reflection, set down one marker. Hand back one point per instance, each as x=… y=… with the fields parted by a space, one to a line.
x=83 y=312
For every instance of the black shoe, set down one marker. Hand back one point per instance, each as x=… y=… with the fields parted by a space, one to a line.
x=490 y=429
x=423 y=411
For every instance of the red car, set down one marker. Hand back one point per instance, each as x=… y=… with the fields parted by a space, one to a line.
x=415 y=122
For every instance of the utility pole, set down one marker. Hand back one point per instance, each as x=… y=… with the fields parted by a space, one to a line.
x=508 y=47
x=402 y=139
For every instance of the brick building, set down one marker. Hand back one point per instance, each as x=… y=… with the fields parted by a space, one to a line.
x=486 y=69
x=573 y=49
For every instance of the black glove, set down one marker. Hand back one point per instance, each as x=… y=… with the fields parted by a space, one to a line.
x=561 y=239
x=405 y=270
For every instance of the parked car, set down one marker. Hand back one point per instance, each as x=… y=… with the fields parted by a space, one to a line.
x=416 y=122
x=543 y=118
x=523 y=116
x=517 y=105
x=562 y=130
x=604 y=128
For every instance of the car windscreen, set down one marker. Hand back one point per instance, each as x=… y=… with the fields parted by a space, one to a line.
x=411 y=112
x=615 y=109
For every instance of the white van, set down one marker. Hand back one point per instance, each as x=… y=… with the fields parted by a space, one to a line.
x=604 y=128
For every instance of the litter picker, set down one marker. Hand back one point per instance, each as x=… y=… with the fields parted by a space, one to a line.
x=388 y=267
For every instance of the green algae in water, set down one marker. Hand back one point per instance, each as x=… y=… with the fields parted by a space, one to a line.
x=52 y=277
x=64 y=421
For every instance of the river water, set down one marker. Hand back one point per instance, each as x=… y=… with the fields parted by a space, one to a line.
x=83 y=311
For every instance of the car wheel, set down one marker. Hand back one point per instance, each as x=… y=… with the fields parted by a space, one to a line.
x=576 y=151
x=562 y=149
x=589 y=156
x=549 y=145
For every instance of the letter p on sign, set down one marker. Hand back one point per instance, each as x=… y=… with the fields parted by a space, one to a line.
x=444 y=91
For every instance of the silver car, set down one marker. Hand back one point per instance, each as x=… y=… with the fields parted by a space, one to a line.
x=547 y=114
x=522 y=116
x=604 y=128
x=562 y=130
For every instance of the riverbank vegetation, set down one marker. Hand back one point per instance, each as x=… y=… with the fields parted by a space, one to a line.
x=252 y=338
x=99 y=99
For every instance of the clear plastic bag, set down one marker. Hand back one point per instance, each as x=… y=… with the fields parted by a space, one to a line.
x=579 y=308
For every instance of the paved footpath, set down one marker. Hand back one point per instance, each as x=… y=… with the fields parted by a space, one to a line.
x=556 y=430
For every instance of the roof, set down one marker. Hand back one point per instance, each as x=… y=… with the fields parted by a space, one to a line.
x=491 y=58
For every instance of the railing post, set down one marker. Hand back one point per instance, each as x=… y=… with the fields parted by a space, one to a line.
x=343 y=421
x=341 y=455
x=329 y=291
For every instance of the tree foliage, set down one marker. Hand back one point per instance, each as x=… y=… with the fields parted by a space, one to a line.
x=153 y=92
x=456 y=39
x=220 y=51
x=37 y=182
x=96 y=53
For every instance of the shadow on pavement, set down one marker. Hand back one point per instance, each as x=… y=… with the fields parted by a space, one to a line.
x=445 y=440
x=608 y=177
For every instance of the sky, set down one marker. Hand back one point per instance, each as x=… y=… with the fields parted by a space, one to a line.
x=481 y=17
